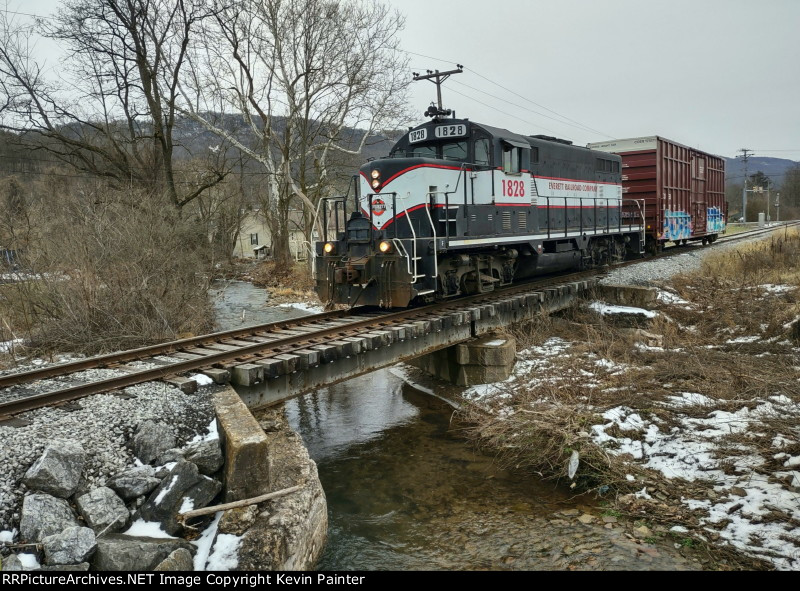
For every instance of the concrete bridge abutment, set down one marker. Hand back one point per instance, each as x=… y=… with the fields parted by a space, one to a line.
x=482 y=360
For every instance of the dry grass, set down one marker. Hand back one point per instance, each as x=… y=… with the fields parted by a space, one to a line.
x=108 y=276
x=539 y=422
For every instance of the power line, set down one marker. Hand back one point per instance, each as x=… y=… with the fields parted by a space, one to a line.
x=578 y=126
x=578 y=123
x=26 y=14
x=503 y=112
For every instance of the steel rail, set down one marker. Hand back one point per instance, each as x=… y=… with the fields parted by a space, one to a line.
x=277 y=346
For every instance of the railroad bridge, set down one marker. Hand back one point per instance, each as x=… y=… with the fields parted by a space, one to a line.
x=446 y=342
x=274 y=362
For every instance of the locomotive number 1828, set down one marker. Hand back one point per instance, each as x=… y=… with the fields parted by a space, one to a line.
x=513 y=188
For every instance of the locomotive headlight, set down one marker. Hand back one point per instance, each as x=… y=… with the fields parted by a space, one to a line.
x=376 y=174
x=328 y=248
x=376 y=184
x=385 y=246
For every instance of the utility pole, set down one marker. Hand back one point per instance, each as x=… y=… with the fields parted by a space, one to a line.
x=745 y=156
x=778 y=207
x=769 y=183
x=438 y=78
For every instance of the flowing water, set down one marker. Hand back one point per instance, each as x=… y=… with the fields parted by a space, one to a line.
x=404 y=491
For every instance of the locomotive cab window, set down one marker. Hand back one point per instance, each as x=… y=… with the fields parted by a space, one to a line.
x=516 y=156
x=511 y=159
x=422 y=152
x=482 y=151
x=455 y=151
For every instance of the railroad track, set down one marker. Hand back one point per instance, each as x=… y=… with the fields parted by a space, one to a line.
x=307 y=340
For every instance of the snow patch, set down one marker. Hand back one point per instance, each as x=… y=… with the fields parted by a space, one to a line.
x=165 y=491
x=225 y=554
x=187 y=505
x=212 y=434
x=205 y=541
x=304 y=306
x=147 y=529
x=201 y=379
x=29 y=561
x=8 y=535
x=605 y=309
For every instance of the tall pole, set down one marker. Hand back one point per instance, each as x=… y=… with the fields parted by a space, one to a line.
x=769 y=182
x=745 y=156
x=437 y=78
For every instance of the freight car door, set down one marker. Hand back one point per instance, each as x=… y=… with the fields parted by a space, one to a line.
x=699 y=202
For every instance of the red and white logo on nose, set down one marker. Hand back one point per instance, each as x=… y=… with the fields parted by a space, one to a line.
x=378 y=206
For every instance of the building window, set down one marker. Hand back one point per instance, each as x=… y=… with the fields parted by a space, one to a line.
x=254 y=239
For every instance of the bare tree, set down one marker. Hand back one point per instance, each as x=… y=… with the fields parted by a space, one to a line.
x=111 y=111
x=311 y=79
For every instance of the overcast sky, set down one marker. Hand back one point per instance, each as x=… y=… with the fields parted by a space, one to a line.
x=715 y=74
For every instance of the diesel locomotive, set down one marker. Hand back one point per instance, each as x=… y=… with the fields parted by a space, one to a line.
x=459 y=207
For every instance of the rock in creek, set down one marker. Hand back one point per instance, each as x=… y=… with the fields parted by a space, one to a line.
x=118 y=552
x=74 y=545
x=44 y=515
x=103 y=510
x=151 y=440
x=133 y=483
x=180 y=560
x=206 y=455
x=58 y=470
x=182 y=487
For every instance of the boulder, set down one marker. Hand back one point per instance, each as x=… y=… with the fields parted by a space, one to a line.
x=206 y=455
x=133 y=483
x=58 y=470
x=184 y=485
x=74 y=545
x=11 y=563
x=83 y=566
x=151 y=440
x=171 y=455
x=180 y=560
x=103 y=510
x=117 y=552
x=44 y=515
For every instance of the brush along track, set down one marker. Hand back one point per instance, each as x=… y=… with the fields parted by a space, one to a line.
x=305 y=337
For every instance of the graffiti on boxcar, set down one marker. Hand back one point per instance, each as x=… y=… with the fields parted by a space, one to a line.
x=677 y=225
x=715 y=221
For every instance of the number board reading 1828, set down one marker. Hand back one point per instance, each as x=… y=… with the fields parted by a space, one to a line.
x=417 y=135
x=450 y=130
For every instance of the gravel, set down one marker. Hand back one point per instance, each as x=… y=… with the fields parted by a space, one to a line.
x=103 y=424
x=660 y=269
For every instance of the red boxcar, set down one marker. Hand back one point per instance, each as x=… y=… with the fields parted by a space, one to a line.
x=682 y=189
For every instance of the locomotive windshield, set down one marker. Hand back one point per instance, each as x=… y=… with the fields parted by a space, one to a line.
x=443 y=151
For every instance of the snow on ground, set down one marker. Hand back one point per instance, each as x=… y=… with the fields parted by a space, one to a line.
x=147 y=529
x=750 y=510
x=304 y=306
x=7 y=536
x=667 y=297
x=201 y=379
x=224 y=556
x=606 y=309
x=7 y=346
x=213 y=433
x=205 y=541
x=529 y=371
